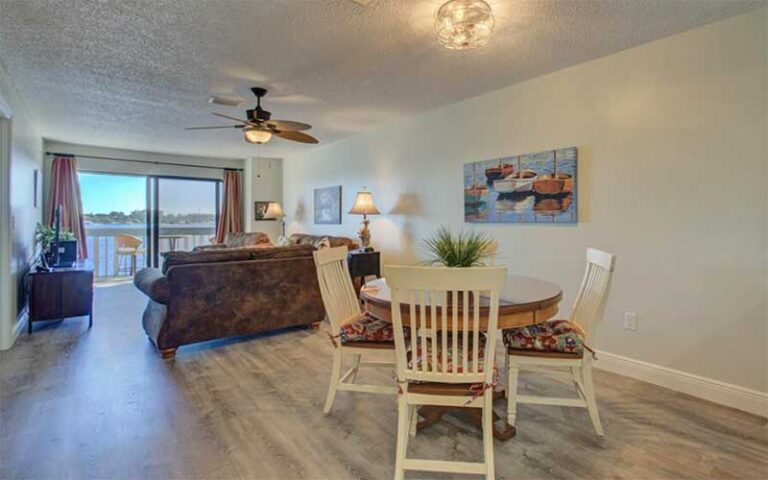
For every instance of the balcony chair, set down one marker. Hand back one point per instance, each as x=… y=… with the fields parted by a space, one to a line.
x=563 y=343
x=446 y=360
x=127 y=246
x=352 y=332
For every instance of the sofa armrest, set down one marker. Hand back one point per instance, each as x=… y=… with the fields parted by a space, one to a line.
x=153 y=284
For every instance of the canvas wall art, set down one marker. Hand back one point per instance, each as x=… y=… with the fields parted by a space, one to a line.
x=328 y=205
x=536 y=187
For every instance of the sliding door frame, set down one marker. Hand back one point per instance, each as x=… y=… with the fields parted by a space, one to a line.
x=153 y=210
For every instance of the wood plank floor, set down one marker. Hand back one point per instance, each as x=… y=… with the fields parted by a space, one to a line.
x=78 y=404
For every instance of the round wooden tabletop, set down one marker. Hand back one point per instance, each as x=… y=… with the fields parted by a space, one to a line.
x=524 y=301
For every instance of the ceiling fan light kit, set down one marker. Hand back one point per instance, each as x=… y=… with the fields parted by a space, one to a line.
x=464 y=24
x=256 y=135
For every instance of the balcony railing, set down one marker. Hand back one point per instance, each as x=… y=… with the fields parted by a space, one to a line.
x=102 y=246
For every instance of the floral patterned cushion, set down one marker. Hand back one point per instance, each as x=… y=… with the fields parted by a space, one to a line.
x=451 y=358
x=552 y=336
x=366 y=328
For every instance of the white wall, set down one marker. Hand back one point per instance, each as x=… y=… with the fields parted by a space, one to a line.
x=19 y=215
x=263 y=179
x=672 y=180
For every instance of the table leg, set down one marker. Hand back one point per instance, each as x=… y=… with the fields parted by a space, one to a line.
x=431 y=414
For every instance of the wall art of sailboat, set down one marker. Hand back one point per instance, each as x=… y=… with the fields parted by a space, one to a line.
x=519 y=182
x=535 y=187
x=554 y=183
x=500 y=171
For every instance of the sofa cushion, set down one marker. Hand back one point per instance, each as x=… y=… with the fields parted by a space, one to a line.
x=551 y=336
x=153 y=284
x=242 y=239
x=253 y=252
x=306 y=239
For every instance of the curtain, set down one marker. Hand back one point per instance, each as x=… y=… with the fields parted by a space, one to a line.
x=231 y=215
x=65 y=191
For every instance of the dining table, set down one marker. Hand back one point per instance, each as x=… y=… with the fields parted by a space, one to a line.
x=523 y=301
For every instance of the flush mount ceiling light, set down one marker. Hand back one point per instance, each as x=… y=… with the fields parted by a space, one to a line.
x=464 y=24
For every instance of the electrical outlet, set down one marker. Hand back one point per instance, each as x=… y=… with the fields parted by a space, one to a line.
x=630 y=321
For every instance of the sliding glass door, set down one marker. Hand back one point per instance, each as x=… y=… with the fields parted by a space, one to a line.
x=131 y=220
x=115 y=210
x=184 y=214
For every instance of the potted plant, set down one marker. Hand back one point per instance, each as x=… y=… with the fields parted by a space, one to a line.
x=45 y=235
x=458 y=249
x=461 y=249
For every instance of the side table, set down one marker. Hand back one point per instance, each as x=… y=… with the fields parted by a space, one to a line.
x=363 y=264
x=61 y=293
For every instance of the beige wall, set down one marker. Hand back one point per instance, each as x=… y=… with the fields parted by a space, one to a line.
x=263 y=179
x=20 y=216
x=672 y=180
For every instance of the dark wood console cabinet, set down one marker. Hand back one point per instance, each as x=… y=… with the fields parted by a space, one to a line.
x=61 y=293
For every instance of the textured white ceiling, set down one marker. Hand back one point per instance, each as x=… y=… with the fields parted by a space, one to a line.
x=133 y=73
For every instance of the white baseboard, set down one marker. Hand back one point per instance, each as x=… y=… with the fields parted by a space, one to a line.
x=21 y=322
x=727 y=394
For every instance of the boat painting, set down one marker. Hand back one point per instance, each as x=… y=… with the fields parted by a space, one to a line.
x=536 y=187
x=498 y=171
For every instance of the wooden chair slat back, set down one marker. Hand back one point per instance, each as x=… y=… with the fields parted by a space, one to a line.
x=444 y=312
x=589 y=308
x=336 y=287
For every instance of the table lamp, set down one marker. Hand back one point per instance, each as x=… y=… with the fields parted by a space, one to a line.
x=364 y=206
x=275 y=212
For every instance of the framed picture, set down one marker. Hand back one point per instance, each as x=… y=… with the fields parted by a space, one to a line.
x=536 y=187
x=260 y=210
x=328 y=205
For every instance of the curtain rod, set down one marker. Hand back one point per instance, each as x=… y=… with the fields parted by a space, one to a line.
x=56 y=154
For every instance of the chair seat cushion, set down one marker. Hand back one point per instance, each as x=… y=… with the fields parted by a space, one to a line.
x=453 y=360
x=368 y=329
x=551 y=336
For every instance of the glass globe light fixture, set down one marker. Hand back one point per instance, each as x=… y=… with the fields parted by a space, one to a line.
x=256 y=135
x=464 y=24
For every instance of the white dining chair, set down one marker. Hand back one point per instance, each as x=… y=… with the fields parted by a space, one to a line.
x=443 y=356
x=353 y=333
x=563 y=343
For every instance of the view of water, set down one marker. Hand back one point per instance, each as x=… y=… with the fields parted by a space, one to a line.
x=180 y=236
x=544 y=194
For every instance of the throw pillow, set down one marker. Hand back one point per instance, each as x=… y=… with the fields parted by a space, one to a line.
x=283 y=241
x=322 y=243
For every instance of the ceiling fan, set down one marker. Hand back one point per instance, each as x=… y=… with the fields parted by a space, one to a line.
x=259 y=126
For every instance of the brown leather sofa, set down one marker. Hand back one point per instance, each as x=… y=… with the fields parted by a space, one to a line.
x=221 y=293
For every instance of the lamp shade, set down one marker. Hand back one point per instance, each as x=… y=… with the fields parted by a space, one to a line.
x=274 y=211
x=364 y=204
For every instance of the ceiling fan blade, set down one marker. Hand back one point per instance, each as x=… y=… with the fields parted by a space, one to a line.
x=246 y=122
x=287 y=125
x=211 y=128
x=297 y=137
